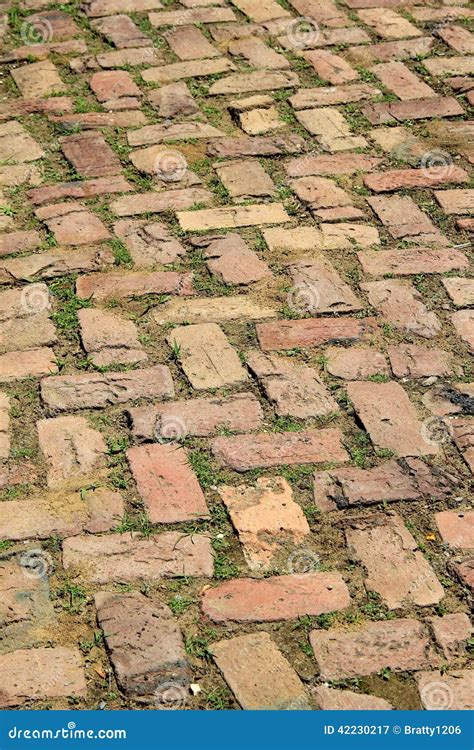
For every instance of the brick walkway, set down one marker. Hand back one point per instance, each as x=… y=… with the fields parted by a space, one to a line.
x=236 y=398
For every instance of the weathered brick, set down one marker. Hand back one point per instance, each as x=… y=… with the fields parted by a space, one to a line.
x=212 y=309
x=206 y=356
x=133 y=284
x=198 y=417
x=233 y=216
x=390 y=418
x=405 y=479
x=412 y=260
x=400 y=645
x=451 y=633
x=25 y=606
x=166 y=483
x=126 y=557
x=413 y=361
x=74 y=452
x=41 y=673
x=288 y=334
x=277 y=598
x=442 y=692
x=90 y=155
x=402 y=305
x=295 y=390
x=318 y=288
x=264 y=450
x=460 y=290
x=61 y=514
x=355 y=363
x=145 y=644
x=27 y=364
x=109 y=339
x=330 y=699
x=258 y=674
x=97 y=390
x=394 y=179
x=266 y=519
x=456 y=528
x=384 y=545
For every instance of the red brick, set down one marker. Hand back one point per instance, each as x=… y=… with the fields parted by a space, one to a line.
x=145 y=644
x=198 y=417
x=90 y=155
x=384 y=545
x=127 y=557
x=329 y=699
x=394 y=179
x=41 y=673
x=258 y=451
x=400 y=645
x=288 y=334
x=451 y=633
x=277 y=598
x=443 y=692
x=166 y=483
x=122 y=285
x=412 y=260
x=390 y=418
x=456 y=528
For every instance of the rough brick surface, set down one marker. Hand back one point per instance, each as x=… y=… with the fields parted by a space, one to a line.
x=236 y=322
x=281 y=598
x=166 y=483
x=258 y=674
x=398 y=644
x=146 y=647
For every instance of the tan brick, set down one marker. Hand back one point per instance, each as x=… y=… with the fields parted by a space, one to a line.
x=258 y=674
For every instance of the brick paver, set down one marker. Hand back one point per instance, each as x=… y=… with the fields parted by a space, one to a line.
x=236 y=324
